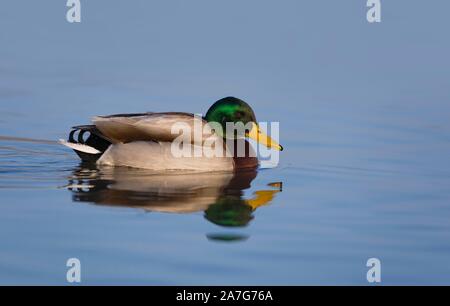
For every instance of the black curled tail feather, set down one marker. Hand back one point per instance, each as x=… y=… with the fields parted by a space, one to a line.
x=90 y=136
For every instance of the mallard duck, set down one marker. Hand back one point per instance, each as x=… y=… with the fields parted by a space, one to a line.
x=145 y=140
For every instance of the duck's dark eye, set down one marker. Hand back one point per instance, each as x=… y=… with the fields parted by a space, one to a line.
x=239 y=115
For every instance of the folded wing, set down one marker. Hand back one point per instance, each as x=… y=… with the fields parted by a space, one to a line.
x=148 y=126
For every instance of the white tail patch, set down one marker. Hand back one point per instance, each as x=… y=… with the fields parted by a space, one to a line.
x=80 y=147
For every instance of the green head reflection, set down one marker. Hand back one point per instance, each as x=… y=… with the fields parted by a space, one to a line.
x=229 y=211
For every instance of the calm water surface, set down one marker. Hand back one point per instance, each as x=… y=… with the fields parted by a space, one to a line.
x=364 y=119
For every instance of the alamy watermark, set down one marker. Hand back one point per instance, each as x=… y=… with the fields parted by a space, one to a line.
x=73 y=274
x=212 y=139
x=374 y=273
x=374 y=12
x=74 y=12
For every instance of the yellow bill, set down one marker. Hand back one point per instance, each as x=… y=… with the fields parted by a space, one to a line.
x=256 y=134
x=264 y=197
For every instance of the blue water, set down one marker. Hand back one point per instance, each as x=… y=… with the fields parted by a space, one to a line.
x=364 y=120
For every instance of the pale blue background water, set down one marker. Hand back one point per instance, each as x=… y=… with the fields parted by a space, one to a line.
x=364 y=116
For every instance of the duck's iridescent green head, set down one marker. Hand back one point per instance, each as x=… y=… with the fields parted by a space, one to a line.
x=234 y=110
x=230 y=109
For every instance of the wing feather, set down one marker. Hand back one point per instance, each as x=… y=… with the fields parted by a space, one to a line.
x=147 y=126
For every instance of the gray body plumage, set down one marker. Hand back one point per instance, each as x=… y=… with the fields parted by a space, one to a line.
x=145 y=140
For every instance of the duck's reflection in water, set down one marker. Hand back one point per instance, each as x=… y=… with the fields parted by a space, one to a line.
x=218 y=195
